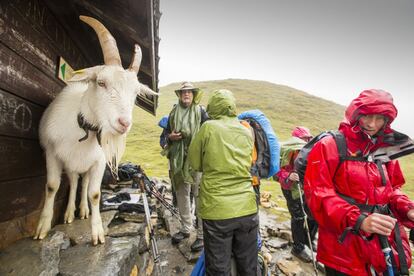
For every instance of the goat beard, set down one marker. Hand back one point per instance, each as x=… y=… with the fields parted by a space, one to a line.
x=113 y=147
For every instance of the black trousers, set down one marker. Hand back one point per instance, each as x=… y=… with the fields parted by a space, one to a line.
x=237 y=236
x=299 y=232
x=332 y=272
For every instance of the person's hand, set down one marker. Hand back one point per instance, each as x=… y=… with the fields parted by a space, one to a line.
x=293 y=177
x=175 y=136
x=410 y=215
x=378 y=224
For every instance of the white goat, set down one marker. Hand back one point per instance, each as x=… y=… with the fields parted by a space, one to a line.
x=85 y=128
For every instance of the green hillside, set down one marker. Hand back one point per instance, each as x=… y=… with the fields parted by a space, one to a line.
x=285 y=107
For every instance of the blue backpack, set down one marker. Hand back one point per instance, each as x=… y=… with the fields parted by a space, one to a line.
x=266 y=143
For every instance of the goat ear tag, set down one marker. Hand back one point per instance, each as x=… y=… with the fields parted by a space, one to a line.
x=78 y=71
x=79 y=75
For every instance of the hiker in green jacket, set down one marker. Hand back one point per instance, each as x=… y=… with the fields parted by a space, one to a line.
x=184 y=122
x=222 y=151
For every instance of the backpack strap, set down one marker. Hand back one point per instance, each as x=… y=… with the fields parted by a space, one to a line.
x=204 y=114
x=341 y=146
x=254 y=171
x=343 y=151
x=381 y=209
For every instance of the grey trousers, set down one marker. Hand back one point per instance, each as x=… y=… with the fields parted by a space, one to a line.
x=182 y=191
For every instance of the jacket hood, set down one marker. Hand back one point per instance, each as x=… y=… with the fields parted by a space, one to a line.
x=221 y=103
x=371 y=101
x=301 y=132
x=163 y=123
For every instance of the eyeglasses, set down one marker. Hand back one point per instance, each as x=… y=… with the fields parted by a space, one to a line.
x=186 y=91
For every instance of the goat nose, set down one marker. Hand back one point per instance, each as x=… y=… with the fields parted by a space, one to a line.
x=124 y=122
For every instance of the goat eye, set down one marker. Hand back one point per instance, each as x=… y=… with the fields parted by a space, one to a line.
x=101 y=83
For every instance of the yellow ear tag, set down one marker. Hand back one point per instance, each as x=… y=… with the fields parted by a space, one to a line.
x=78 y=71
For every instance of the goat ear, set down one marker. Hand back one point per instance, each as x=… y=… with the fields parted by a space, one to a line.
x=86 y=74
x=145 y=90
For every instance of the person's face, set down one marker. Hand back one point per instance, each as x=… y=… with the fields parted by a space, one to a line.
x=186 y=97
x=372 y=123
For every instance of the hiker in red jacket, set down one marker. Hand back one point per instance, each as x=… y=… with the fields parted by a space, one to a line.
x=288 y=178
x=358 y=200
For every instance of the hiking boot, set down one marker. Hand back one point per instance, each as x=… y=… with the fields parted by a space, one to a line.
x=178 y=237
x=304 y=255
x=320 y=267
x=197 y=245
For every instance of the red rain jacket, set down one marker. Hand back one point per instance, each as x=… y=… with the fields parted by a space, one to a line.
x=359 y=180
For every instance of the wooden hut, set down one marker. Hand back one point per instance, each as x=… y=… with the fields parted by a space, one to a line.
x=39 y=39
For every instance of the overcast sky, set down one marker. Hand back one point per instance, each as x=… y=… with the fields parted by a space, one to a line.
x=329 y=48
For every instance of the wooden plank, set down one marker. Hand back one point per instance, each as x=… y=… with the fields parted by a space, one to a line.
x=20 y=158
x=18 y=117
x=18 y=34
x=20 y=197
x=23 y=79
x=123 y=19
x=44 y=21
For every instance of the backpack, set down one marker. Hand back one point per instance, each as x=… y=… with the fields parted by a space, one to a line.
x=301 y=160
x=265 y=143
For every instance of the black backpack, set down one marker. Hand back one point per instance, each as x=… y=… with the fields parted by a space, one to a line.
x=262 y=164
x=301 y=160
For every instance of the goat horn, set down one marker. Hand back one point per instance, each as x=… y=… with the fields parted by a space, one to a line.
x=107 y=41
x=136 y=59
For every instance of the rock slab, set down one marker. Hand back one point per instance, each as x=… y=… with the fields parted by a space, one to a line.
x=33 y=257
x=117 y=256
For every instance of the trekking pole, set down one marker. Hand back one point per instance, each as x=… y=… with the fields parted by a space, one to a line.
x=305 y=217
x=153 y=190
x=154 y=247
x=387 y=253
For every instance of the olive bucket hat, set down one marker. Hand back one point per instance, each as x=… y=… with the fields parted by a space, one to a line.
x=187 y=86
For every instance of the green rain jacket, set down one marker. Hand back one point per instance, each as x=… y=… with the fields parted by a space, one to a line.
x=187 y=121
x=222 y=150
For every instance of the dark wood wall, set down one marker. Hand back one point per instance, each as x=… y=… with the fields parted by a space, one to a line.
x=31 y=40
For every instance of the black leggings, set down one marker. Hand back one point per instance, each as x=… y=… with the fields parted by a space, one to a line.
x=299 y=232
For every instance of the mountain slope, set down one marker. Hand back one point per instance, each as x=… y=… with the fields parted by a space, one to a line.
x=285 y=107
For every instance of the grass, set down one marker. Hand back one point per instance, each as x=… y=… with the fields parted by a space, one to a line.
x=285 y=107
